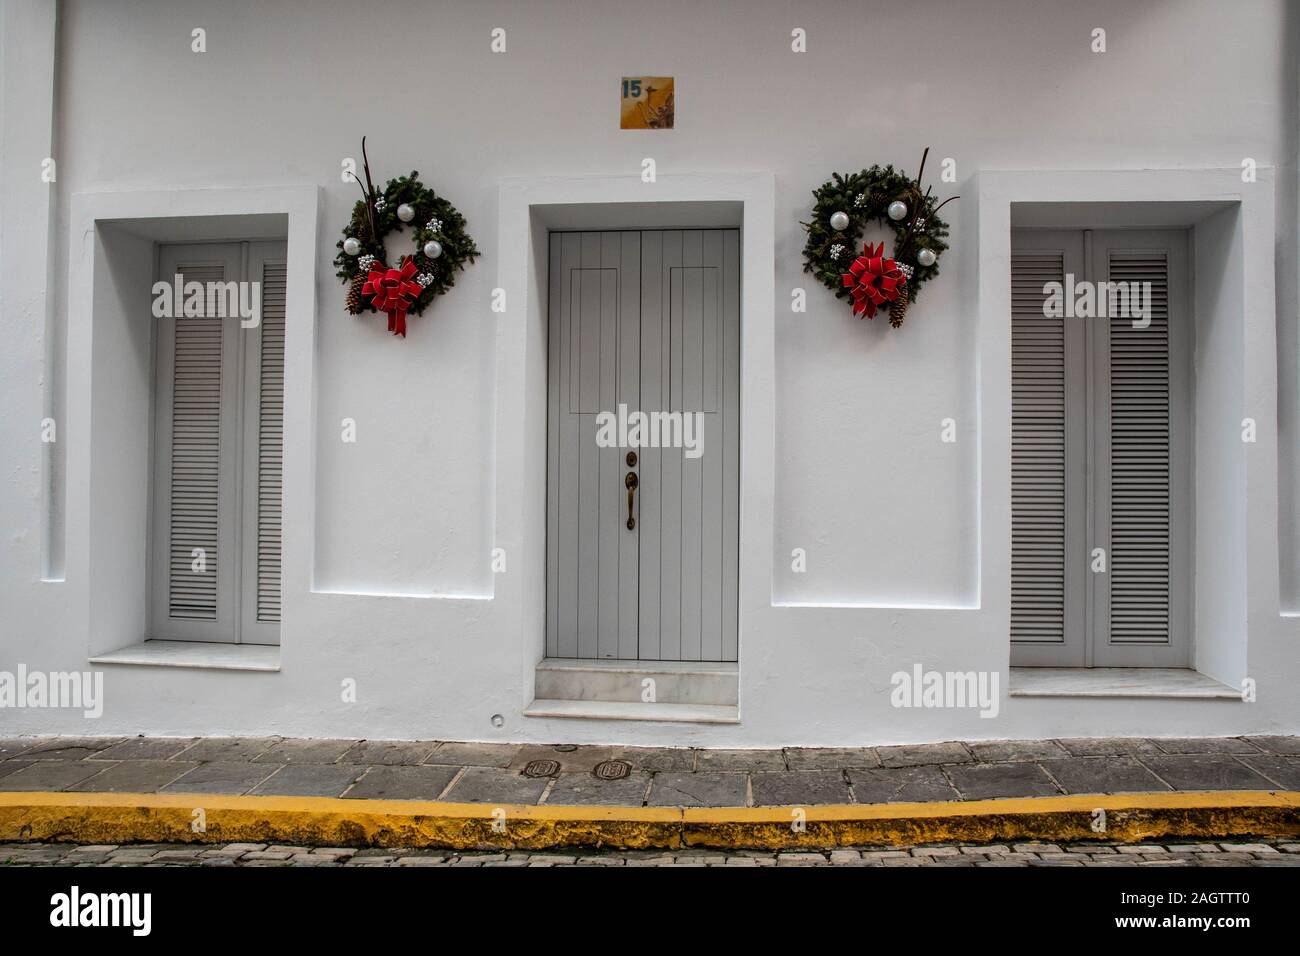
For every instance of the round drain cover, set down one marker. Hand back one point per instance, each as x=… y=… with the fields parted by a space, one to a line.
x=612 y=769
x=541 y=768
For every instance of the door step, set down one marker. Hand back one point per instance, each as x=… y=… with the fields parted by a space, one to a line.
x=696 y=691
x=673 y=682
x=616 y=710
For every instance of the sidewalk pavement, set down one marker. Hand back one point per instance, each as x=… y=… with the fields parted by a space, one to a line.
x=1232 y=786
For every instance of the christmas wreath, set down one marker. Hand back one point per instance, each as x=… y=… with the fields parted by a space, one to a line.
x=441 y=248
x=844 y=205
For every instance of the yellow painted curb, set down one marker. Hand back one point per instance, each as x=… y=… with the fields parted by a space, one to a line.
x=327 y=821
x=1126 y=817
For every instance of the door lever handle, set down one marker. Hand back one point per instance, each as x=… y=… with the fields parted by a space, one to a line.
x=631 y=483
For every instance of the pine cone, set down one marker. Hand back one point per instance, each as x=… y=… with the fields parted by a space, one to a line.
x=878 y=198
x=898 y=311
x=354 y=294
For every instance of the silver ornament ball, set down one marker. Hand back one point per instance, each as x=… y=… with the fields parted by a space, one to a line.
x=351 y=246
x=406 y=212
x=432 y=249
x=839 y=221
x=897 y=210
x=926 y=257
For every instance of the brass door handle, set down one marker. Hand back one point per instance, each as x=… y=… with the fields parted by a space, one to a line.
x=631 y=482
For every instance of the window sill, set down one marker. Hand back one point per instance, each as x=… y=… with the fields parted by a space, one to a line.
x=1175 y=682
x=196 y=654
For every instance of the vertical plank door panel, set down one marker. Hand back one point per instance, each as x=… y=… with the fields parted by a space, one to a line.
x=654 y=396
x=612 y=496
x=629 y=394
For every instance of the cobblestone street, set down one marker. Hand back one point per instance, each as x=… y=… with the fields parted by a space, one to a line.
x=1014 y=854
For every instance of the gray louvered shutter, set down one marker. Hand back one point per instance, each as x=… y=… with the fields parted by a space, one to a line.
x=1140 y=458
x=270 y=443
x=195 y=456
x=1048 y=452
x=1038 y=450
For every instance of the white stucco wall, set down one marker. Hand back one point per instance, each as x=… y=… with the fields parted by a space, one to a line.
x=393 y=587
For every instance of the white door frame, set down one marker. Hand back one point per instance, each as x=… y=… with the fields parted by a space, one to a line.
x=529 y=209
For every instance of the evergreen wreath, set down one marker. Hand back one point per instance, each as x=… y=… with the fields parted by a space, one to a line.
x=442 y=247
x=843 y=206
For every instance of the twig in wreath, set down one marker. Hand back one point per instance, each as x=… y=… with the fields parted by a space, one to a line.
x=367 y=192
x=919 y=203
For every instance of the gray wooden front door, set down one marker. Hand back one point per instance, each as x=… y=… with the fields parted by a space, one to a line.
x=649 y=321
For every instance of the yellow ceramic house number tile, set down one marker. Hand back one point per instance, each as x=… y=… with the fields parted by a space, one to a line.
x=647 y=102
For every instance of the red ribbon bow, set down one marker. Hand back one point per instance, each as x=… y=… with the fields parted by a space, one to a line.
x=392 y=291
x=874 y=279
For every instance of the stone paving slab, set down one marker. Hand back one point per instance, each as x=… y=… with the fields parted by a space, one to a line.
x=1108 y=746
x=495 y=785
x=70 y=748
x=699 y=789
x=51 y=775
x=306 y=751
x=10 y=766
x=473 y=755
x=989 y=781
x=993 y=751
x=387 y=782
x=655 y=776
x=134 y=776
x=583 y=789
x=901 y=785
x=1120 y=774
x=748 y=761
x=392 y=753
x=213 y=749
x=1207 y=772
x=1286 y=746
x=1207 y=745
x=681 y=759
x=146 y=748
x=224 y=777
x=830 y=758
x=1282 y=771
x=11 y=747
x=309 y=780
x=800 y=788
x=921 y=755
